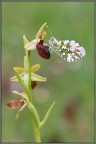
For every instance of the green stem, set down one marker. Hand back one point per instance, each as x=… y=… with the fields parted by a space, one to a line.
x=35 y=122
x=35 y=117
x=37 y=135
x=29 y=68
x=29 y=72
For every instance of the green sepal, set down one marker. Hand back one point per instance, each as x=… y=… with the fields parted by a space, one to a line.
x=22 y=108
x=35 y=68
x=25 y=40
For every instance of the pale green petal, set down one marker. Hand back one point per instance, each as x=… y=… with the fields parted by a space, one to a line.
x=22 y=108
x=31 y=45
x=18 y=69
x=25 y=40
x=40 y=31
x=23 y=94
x=25 y=63
x=14 y=78
x=35 y=68
x=35 y=77
x=43 y=34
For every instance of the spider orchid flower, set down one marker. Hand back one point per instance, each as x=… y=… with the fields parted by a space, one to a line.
x=24 y=74
x=38 y=43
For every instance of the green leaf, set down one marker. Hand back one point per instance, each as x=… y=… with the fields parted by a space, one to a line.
x=46 y=116
x=35 y=116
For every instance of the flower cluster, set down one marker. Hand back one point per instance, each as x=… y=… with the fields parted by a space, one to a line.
x=68 y=50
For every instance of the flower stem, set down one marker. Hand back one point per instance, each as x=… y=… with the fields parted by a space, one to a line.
x=37 y=135
x=35 y=117
x=29 y=72
x=29 y=68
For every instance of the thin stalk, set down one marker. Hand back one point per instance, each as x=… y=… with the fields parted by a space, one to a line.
x=35 y=117
x=37 y=135
x=35 y=122
x=29 y=72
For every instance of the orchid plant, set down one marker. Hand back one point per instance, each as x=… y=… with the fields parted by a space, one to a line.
x=27 y=77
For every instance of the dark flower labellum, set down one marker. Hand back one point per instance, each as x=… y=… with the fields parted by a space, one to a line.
x=43 y=50
x=33 y=84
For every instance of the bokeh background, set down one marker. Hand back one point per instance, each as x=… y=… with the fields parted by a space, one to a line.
x=71 y=85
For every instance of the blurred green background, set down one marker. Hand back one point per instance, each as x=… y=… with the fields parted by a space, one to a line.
x=71 y=85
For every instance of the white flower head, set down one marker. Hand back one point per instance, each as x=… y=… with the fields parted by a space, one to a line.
x=68 y=50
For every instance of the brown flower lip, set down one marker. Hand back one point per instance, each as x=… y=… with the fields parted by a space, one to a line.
x=33 y=84
x=43 y=50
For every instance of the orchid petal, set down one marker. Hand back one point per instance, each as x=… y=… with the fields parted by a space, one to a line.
x=36 y=77
x=22 y=108
x=35 y=67
x=25 y=40
x=39 y=34
x=14 y=78
x=42 y=36
x=31 y=45
x=18 y=69
x=23 y=95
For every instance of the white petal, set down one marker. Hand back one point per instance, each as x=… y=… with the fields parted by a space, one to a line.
x=31 y=45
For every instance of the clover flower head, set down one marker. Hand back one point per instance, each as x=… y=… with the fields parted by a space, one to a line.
x=68 y=50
